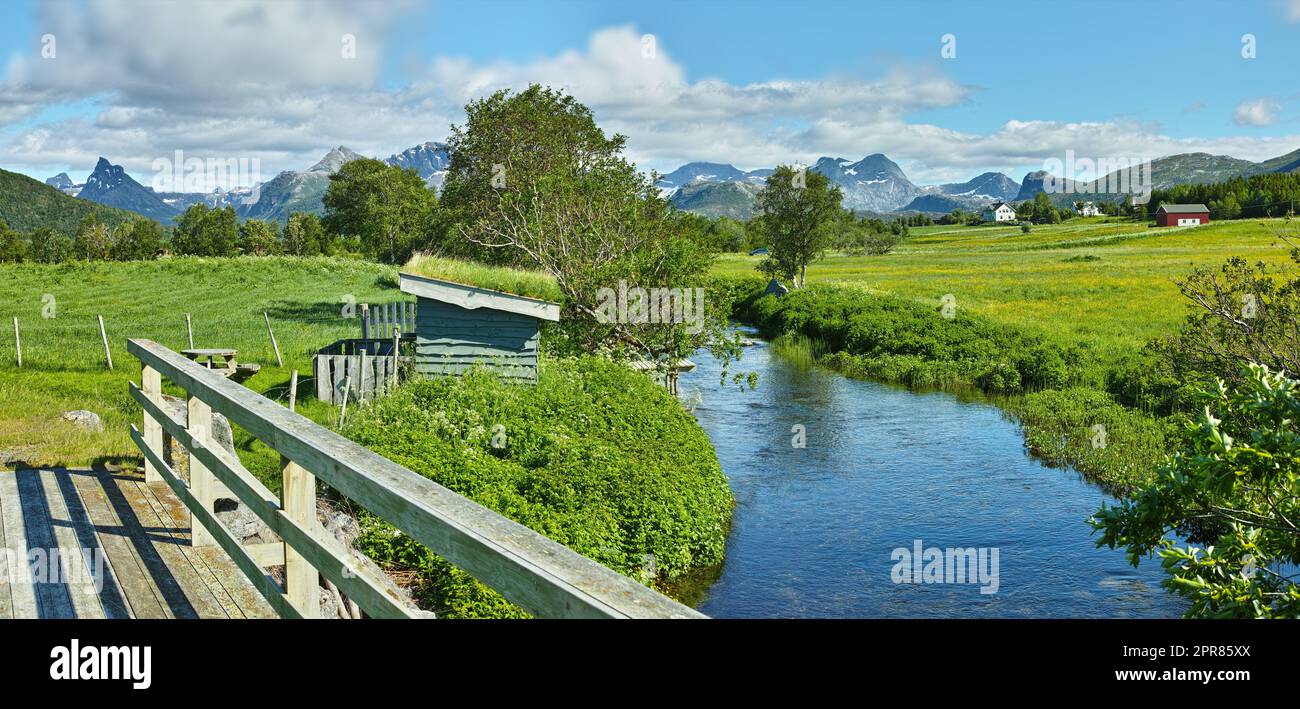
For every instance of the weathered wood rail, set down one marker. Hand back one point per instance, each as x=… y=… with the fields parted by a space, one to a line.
x=540 y=575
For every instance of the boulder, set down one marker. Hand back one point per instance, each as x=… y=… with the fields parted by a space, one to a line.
x=776 y=288
x=88 y=420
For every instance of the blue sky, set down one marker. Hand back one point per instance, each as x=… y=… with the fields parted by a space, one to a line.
x=752 y=83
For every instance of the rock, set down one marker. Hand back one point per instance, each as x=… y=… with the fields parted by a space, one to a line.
x=88 y=420
x=776 y=288
x=345 y=528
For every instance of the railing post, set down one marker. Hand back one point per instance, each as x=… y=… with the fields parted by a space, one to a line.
x=302 y=581
x=202 y=482
x=151 y=385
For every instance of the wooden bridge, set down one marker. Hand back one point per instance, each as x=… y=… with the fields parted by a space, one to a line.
x=162 y=551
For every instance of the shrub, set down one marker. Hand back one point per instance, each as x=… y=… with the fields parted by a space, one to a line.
x=892 y=339
x=596 y=457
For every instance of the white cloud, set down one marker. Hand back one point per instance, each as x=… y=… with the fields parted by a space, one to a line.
x=218 y=88
x=1293 y=10
x=1257 y=112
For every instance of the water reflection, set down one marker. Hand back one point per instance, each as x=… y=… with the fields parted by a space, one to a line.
x=815 y=527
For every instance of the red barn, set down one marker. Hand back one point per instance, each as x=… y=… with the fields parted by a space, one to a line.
x=1182 y=215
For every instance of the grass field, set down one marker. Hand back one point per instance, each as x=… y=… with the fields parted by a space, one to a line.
x=1105 y=284
x=63 y=356
x=1109 y=285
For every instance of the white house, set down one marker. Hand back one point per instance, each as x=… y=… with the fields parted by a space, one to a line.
x=998 y=212
x=1088 y=210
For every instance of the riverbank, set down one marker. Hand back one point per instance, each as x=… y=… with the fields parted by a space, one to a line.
x=826 y=512
x=1048 y=388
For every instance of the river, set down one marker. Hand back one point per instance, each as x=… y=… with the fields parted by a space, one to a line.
x=816 y=528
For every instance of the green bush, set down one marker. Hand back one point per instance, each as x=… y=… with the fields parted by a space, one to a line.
x=1086 y=428
x=899 y=340
x=596 y=457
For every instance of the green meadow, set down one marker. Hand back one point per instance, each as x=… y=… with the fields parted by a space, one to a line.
x=1109 y=285
x=64 y=366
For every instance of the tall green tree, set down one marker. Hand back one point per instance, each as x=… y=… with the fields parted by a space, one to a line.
x=258 y=237
x=304 y=236
x=510 y=144
x=388 y=208
x=203 y=231
x=535 y=182
x=13 y=249
x=799 y=212
x=94 y=240
x=139 y=240
x=49 y=246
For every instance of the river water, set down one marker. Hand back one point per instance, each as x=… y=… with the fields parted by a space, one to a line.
x=816 y=528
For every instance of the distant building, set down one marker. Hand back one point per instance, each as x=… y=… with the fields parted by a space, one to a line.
x=1088 y=209
x=1182 y=215
x=998 y=212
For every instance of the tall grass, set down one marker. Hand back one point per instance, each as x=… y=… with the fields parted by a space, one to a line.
x=532 y=284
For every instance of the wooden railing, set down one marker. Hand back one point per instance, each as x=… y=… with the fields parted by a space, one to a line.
x=545 y=578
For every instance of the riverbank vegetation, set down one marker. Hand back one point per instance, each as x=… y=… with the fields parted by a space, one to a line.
x=1165 y=375
x=596 y=457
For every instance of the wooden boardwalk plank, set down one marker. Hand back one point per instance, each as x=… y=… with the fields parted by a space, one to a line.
x=145 y=540
x=52 y=599
x=168 y=542
x=8 y=560
x=22 y=593
x=122 y=542
x=76 y=558
x=223 y=606
x=222 y=572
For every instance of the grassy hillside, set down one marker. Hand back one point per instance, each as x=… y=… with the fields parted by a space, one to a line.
x=1108 y=286
x=26 y=204
x=63 y=358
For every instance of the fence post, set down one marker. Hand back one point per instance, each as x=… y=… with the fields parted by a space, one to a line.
x=151 y=385
x=293 y=390
x=278 y=361
x=189 y=330
x=202 y=482
x=18 y=343
x=301 y=580
x=397 y=343
x=104 y=336
x=365 y=320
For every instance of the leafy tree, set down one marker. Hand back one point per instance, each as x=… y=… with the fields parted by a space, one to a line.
x=94 y=240
x=304 y=236
x=1235 y=482
x=800 y=210
x=140 y=240
x=258 y=237
x=49 y=246
x=534 y=181
x=388 y=208
x=12 y=247
x=203 y=231
x=516 y=140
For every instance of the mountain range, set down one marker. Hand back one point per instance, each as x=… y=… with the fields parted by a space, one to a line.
x=273 y=200
x=876 y=184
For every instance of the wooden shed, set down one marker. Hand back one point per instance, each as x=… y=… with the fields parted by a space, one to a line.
x=458 y=326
